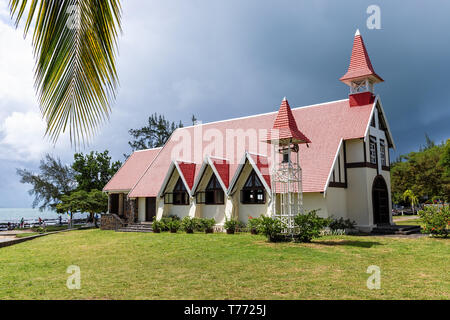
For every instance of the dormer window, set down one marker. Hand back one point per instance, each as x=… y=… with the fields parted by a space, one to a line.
x=214 y=193
x=253 y=191
x=179 y=196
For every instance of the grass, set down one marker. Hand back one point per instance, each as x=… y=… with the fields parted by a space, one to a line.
x=219 y=266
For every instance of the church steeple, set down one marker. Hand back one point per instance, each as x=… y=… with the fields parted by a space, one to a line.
x=360 y=76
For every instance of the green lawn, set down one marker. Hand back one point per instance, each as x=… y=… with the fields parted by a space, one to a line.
x=219 y=266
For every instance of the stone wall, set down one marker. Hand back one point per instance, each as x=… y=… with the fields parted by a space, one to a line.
x=131 y=211
x=111 y=222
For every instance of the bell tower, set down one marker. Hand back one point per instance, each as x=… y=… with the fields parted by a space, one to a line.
x=286 y=176
x=360 y=76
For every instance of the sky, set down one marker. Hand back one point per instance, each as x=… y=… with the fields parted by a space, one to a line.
x=226 y=59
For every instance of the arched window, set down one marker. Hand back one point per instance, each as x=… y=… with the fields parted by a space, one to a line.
x=214 y=193
x=179 y=196
x=253 y=191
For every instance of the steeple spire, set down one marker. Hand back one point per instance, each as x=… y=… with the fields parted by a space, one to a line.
x=286 y=127
x=360 y=75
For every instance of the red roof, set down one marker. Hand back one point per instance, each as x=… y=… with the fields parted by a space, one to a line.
x=325 y=124
x=131 y=170
x=223 y=169
x=360 y=65
x=188 y=172
x=285 y=126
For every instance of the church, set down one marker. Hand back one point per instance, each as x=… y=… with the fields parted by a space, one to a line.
x=332 y=157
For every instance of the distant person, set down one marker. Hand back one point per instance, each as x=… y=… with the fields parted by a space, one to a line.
x=9 y=226
x=22 y=223
x=60 y=220
x=96 y=220
x=40 y=221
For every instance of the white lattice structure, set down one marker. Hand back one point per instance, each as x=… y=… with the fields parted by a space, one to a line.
x=286 y=179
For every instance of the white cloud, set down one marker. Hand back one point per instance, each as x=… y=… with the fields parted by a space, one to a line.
x=23 y=137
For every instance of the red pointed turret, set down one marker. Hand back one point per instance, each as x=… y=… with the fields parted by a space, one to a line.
x=360 y=66
x=285 y=128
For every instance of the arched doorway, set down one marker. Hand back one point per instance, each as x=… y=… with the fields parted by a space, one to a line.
x=380 y=201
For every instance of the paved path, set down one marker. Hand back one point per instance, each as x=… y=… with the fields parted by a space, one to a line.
x=406 y=218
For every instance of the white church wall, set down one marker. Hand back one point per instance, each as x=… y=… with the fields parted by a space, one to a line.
x=355 y=150
x=358 y=200
x=336 y=201
x=141 y=209
x=315 y=201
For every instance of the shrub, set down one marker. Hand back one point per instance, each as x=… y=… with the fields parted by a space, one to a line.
x=231 y=225
x=188 y=224
x=174 y=225
x=308 y=226
x=271 y=228
x=253 y=225
x=436 y=220
x=166 y=221
x=208 y=225
x=157 y=225
x=341 y=224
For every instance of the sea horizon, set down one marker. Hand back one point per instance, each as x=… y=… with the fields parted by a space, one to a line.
x=14 y=215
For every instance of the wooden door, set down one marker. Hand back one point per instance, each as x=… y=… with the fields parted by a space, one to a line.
x=150 y=209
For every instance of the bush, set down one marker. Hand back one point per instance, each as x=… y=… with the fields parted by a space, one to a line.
x=341 y=224
x=207 y=225
x=253 y=225
x=174 y=225
x=271 y=228
x=165 y=222
x=157 y=225
x=231 y=226
x=436 y=220
x=189 y=224
x=308 y=226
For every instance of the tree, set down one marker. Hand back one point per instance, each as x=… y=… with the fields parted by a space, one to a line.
x=49 y=185
x=154 y=135
x=73 y=203
x=414 y=200
x=82 y=201
x=93 y=170
x=421 y=172
x=75 y=46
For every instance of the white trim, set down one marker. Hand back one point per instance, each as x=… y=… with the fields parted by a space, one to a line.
x=237 y=173
x=147 y=149
x=213 y=167
x=241 y=167
x=166 y=179
x=260 y=176
x=199 y=175
x=180 y=172
x=388 y=131
x=332 y=168
x=386 y=122
x=174 y=165
x=208 y=162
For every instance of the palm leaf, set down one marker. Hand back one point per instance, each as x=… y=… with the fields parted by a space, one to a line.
x=75 y=46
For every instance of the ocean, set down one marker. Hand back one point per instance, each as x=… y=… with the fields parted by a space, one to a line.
x=14 y=215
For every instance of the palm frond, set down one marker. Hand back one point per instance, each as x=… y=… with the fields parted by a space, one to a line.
x=75 y=47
